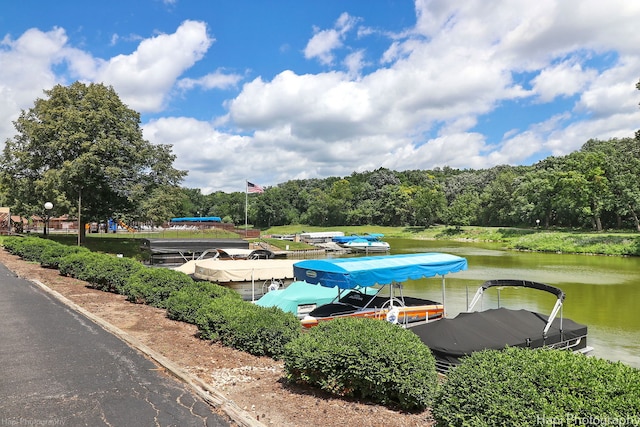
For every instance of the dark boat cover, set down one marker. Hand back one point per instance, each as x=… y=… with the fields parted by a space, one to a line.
x=451 y=339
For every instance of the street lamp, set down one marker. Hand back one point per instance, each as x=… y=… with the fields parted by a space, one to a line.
x=537 y=223
x=47 y=208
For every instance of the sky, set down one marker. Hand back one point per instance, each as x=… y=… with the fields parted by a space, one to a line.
x=270 y=91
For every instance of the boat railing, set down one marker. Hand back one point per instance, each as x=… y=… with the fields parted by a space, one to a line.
x=525 y=284
x=568 y=344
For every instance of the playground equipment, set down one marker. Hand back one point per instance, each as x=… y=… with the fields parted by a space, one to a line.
x=126 y=227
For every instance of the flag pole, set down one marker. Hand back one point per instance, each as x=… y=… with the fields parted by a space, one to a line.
x=246 y=204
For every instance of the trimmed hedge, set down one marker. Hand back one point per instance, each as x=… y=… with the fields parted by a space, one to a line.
x=183 y=304
x=364 y=358
x=78 y=265
x=248 y=327
x=538 y=387
x=28 y=248
x=104 y=272
x=154 y=285
x=51 y=256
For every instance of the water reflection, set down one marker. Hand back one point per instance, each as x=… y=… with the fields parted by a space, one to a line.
x=602 y=292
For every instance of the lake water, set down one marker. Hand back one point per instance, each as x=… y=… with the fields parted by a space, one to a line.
x=601 y=292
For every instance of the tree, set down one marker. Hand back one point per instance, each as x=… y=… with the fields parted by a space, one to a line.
x=318 y=212
x=622 y=168
x=340 y=202
x=82 y=141
x=497 y=198
x=463 y=210
x=162 y=204
x=588 y=178
x=429 y=204
x=394 y=205
x=535 y=194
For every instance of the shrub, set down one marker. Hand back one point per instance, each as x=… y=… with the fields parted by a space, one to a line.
x=12 y=244
x=101 y=271
x=51 y=256
x=29 y=248
x=248 y=327
x=524 y=387
x=364 y=358
x=78 y=265
x=184 y=303
x=154 y=285
x=112 y=273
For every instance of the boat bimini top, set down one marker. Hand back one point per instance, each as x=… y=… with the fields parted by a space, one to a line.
x=350 y=273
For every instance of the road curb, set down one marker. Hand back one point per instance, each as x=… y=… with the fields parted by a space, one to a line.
x=202 y=389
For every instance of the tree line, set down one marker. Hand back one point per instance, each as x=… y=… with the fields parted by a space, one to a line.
x=82 y=149
x=596 y=187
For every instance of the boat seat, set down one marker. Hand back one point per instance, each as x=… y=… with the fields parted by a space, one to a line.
x=357 y=299
x=333 y=309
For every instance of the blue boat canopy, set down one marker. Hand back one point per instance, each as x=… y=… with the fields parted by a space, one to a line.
x=373 y=237
x=348 y=273
x=197 y=219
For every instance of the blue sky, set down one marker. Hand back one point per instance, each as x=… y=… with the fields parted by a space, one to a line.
x=287 y=89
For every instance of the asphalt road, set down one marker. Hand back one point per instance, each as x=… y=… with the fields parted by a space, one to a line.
x=59 y=368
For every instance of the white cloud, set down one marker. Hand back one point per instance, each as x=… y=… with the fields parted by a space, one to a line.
x=613 y=91
x=324 y=42
x=26 y=71
x=144 y=78
x=354 y=63
x=215 y=80
x=564 y=79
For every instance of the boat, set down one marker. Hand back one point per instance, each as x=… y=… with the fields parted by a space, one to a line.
x=238 y=253
x=227 y=254
x=450 y=340
x=368 y=243
x=367 y=246
x=298 y=298
x=251 y=278
x=385 y=272
x=372 y=237
x=173 y=252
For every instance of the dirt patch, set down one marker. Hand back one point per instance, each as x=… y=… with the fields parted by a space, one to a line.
x=255 y=384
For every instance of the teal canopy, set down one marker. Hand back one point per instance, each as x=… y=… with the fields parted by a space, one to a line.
x=295 y=294
x=349 y=273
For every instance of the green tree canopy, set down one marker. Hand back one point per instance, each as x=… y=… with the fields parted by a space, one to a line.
x=81 y=139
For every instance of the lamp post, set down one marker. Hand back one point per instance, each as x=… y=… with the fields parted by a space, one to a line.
x=47 y=208
x=537 y=223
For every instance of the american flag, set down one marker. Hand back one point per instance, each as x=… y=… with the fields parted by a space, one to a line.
x=254 y=188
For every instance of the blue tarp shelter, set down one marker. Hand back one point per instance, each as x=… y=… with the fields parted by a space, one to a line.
x=197 y=219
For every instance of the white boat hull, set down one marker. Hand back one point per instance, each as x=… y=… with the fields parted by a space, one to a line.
x=368 y=247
